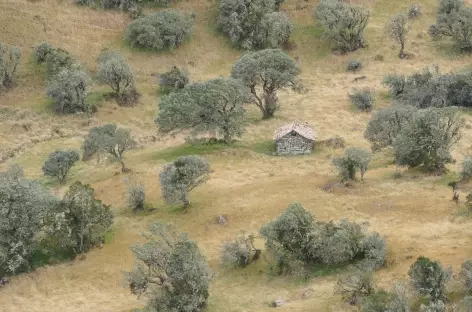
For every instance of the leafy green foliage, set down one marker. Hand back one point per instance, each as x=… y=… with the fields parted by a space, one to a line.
x=68 y=90
x=164 y=29
x=343 y=24
x=181 y=176
x=42 y=51
x=108 y=139
x=24 y=206
x=214 y=107
x=254 y=24
x=174 y=79
x=429 y=278
x=239 y=252
x=428 y=138
x=363 y=99
x=355 y=158
x=9 y=60
x=386 y=124
x=171 y=271
x=59 y=163
x=115 y=72
x=56 y=61
x=80 y=221
x=397 y=29
x=270 y=69
x=294 y=236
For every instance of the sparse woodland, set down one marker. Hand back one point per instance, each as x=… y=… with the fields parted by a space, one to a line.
x=138 y=169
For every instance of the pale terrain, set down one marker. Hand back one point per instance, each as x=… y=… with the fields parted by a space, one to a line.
x=415 y=213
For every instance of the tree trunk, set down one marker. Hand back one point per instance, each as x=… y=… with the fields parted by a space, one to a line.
x=186 y=201
x=270 y=105
x=123 y=167
x=402 y=53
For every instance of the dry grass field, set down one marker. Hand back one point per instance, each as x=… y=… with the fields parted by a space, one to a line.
x=415 y=213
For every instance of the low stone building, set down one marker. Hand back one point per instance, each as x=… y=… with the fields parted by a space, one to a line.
x=294 y=139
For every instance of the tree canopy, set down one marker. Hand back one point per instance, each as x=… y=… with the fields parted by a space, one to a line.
x=59 y=163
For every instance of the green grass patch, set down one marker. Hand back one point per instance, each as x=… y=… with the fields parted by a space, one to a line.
x=264 y=147
x=450 y=176
x=189 y=149
x=109 y=236
x=96 y=99
x=41 y=257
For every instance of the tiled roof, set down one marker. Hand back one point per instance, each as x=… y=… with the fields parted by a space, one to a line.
x=302 y=129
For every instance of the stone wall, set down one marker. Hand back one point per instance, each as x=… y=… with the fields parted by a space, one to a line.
x=294 y=145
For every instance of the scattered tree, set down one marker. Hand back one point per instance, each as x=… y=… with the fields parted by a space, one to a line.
x=170 y=271
x=68 y=90
x=214 y=107
x=111 y=140
x=386 y=124
x=115 y=72
x=24 y=206
x=181 y=176
x=240 y=252
x=270 y=69
x=174 y=79
x=363 y=99
x=59 y=163
x=9 y=60
x=397 y=29
x=164 y=29
x=136 y=194
x=428 y=138
x=343 y=24
x=254 y=24
x=429 y=278
x=354 y=159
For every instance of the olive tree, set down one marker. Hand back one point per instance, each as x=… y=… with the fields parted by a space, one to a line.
x=270 y=70
x=80 y=221
x=164 y=29
x=343 y=23
x=111 y=140
x=135 y=194
x=181 y=176
x=428 y=138
x=429 y=278
x=385 y=125
x=24 y=205
x=115 y=72
x=354 y=159
x=254 y=24
x=214 y=107
x=170 y=270
x=68 y=91
x=59 y=163
x=397 y=29
x=9 y=60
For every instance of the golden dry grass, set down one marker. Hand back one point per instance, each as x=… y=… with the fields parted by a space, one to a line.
x=414 y=213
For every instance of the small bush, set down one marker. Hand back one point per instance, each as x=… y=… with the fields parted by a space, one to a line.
x=414 y=11
x=161 y=30
x=363 y=99
x=42 y=51
x=9 y=61
x=433 y=306
x=354 y=66
x=355 y=286
x=68 y=90
x=396 y=84
x=378 y=301
x=135 y=195
x=57 y=60
x=466 y=274
x=429 y=278
x=466 y=168
x=239 y=252
x=354 y=159
x=59 y=163
x=466 y=304
x=375 y=252
x=174 y=79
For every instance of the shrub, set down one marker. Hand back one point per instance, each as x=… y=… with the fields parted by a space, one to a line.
x=24 y=206
x=171 y=271
x=343 y=24
x=81 y=221
x=111 y=140
x=378 y=301
x=354 y=159
x=414 y=11
x=59 y=163
x=214 y=107
x=9 y=60
x=68 y=90
x=254 y=24
x=433 y=306
x=239 y=252
x=375 y=252
x=363 y=99
x=115 y=72
x=466 y=304
x=466 y=168
x=397 y=29
x=270 y=69
x=466 y=273
x=174 y=79
x=42 y=51
x=386 y=124
x=396 y=84
x=124 y=5
x=353 y=66
x=400 y=298
x=429 y=278
x=161 y=30
x=428 y=138
x=181 y=176
x=58 y=60
x=135 y=195
x=355 y=286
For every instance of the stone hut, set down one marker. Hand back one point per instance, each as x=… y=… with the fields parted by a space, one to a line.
x=294 y=139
